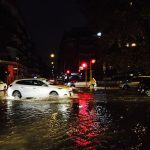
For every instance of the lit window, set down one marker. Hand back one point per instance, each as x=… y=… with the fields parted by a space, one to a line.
x=127 y=44
x=130 y=3
x=133 y=44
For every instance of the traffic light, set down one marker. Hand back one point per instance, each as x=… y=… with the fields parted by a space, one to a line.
x=68 y=71
x=93 y=61
x=84 y=65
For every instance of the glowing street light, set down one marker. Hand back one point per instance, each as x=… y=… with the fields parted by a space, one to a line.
x=52 y=59
x=52 y=55
x=99 y=34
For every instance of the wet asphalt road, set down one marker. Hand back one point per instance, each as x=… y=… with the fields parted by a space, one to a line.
x=117 y=120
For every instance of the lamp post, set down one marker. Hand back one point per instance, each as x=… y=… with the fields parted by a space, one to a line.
x=17 y=60
x=52 y=57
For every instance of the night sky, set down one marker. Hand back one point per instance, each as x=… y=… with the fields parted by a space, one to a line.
x=46 y=21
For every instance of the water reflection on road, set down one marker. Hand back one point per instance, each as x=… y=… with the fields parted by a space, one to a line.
x=84 y=122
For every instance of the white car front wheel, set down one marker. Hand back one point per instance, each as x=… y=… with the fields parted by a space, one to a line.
x=16 y=94
x=53 y=93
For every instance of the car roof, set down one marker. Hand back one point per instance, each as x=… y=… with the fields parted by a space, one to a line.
x=29 y=79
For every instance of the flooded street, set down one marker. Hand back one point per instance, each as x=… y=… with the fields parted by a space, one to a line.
x=87 y=122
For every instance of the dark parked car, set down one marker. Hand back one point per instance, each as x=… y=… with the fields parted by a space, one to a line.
x=144 y=86
x=134 y=82
x=130 y=83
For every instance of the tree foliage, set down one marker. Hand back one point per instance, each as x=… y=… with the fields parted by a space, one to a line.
x=122 y=22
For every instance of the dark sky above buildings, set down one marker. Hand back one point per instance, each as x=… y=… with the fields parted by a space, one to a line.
x=46 y=21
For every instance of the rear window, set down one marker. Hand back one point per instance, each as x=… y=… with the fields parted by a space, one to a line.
x=74 y=78
x=38 y=83
x=30 y=82
x=24 y=82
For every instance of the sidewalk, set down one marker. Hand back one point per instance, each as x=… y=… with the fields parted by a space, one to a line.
x=109 y=88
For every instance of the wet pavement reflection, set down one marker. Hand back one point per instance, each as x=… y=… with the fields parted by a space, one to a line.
x=87 y=121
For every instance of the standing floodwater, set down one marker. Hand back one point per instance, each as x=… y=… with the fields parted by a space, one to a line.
x=85 y=122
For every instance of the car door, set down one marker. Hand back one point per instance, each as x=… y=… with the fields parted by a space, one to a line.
x=40 y=88
x=82 y=84
x=134 y=82
x=25 y=87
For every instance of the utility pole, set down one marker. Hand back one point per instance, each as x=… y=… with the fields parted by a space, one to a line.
x=17 y=60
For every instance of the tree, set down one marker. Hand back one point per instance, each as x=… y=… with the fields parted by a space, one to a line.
x=122 y=23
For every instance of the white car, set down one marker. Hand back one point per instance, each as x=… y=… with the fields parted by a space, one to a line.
x=30 y=88
x=79 y=84
x=85 y=84
x=3 y=86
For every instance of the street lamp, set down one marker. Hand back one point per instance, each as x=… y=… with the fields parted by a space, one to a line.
x=17 y=60
x=52 y=55
x=52 y=58
x=99 y=34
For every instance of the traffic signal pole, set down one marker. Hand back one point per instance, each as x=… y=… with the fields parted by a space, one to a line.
x=90 y=71
x=86 y=76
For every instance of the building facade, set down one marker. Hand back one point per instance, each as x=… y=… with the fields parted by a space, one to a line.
x=79 y=45
x=16 y=46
